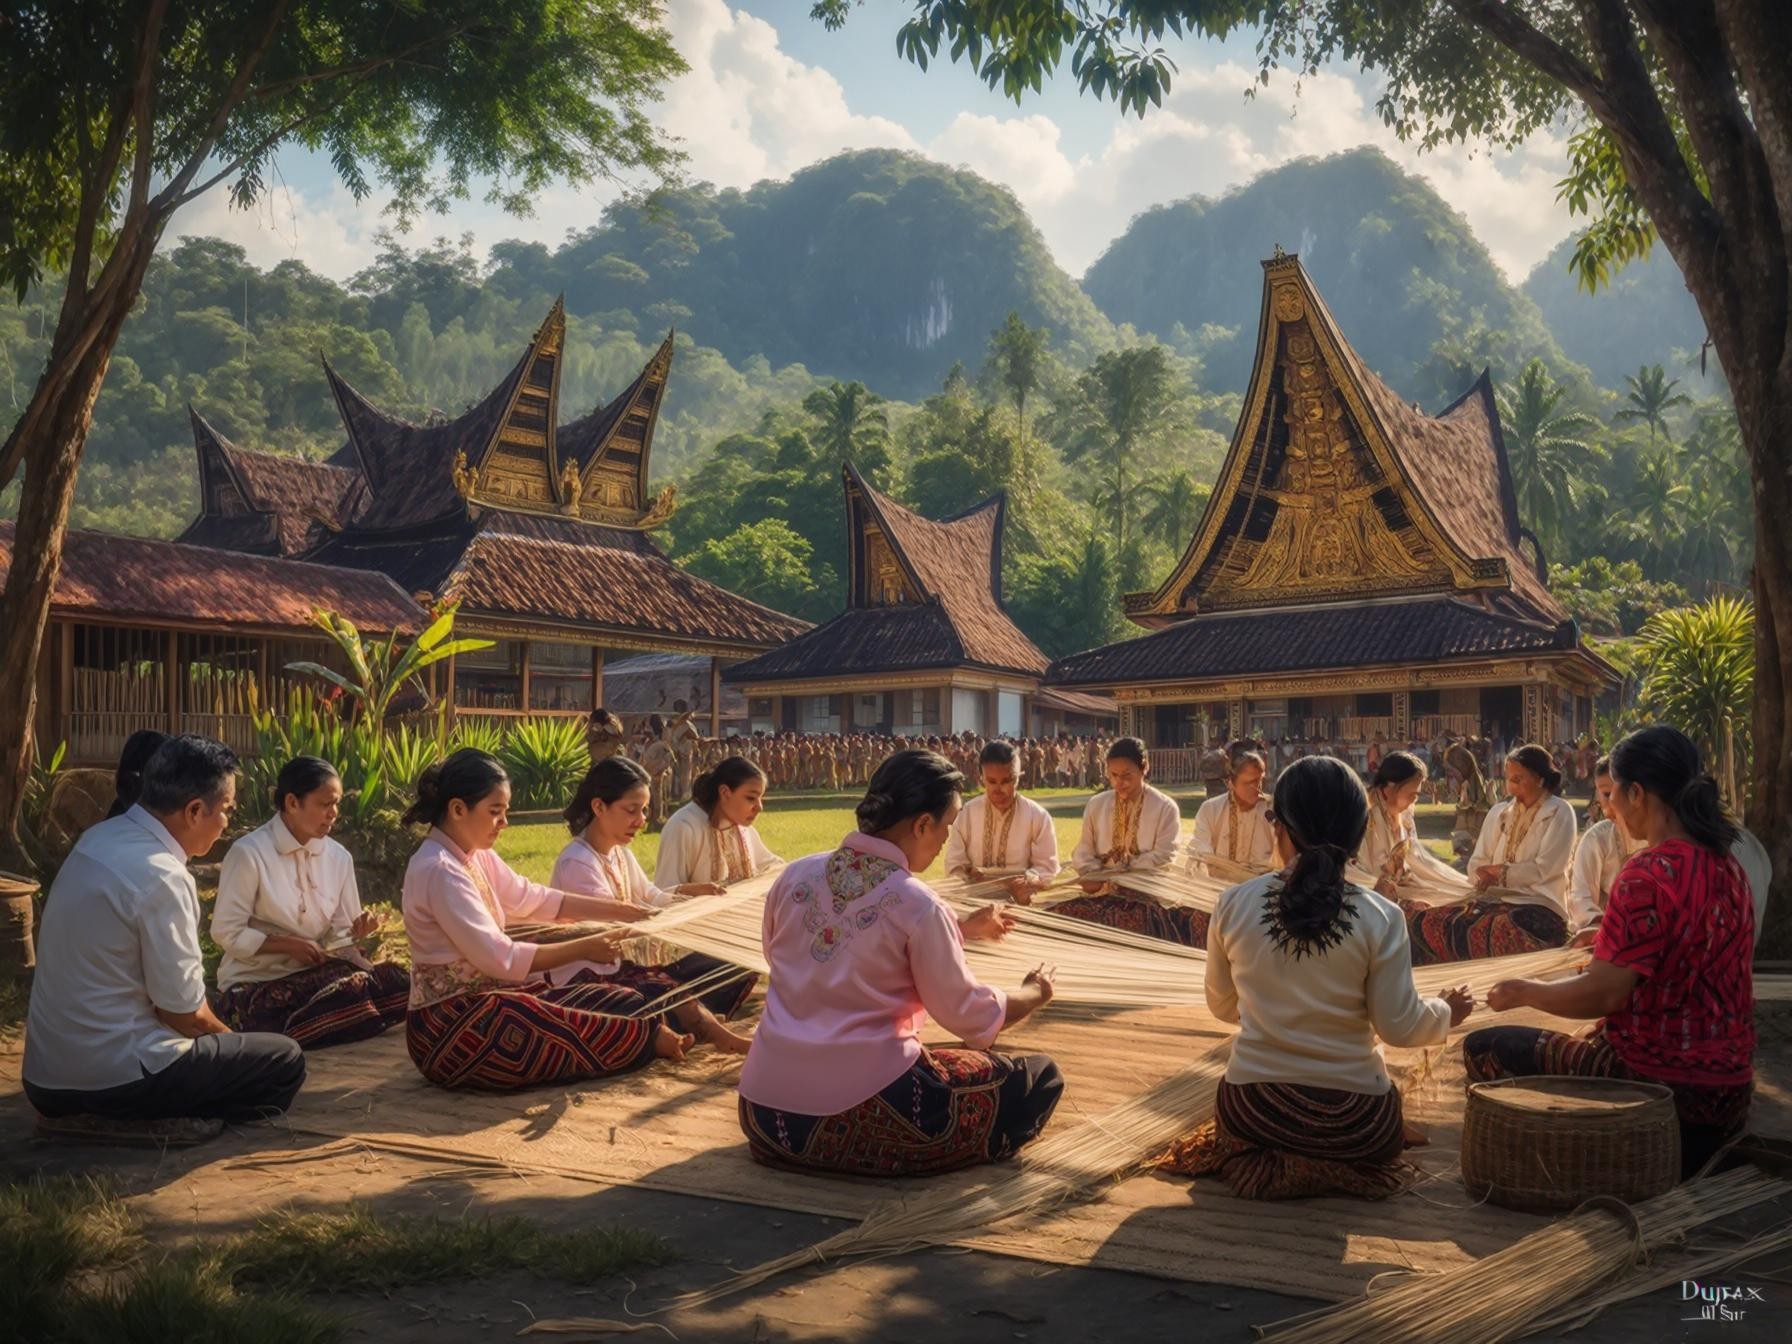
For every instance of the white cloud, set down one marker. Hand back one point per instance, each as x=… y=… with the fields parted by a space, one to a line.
x=747 y=110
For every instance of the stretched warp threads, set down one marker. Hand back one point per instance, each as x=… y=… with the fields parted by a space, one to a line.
x=1070 y=1161
x=1503 y=1294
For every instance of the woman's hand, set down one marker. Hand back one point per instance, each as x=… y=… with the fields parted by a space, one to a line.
x=1093 y=888
x=366 y=924
x=602 y=947
x=1585 y=938
x=1461 y=1002
x=1386 y=886
x=1489 y=875
x=700 y=889
x=627 y=912
x=301 y=950
x=973 y=875
x=1020 y=891
x=1506 y=994
x=1041 y=977
x=987 y=925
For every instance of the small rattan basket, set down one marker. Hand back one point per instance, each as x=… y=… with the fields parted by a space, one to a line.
x=1547 y=1144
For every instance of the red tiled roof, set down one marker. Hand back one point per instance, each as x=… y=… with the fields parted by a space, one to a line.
x=558 y=570
x=300 y=501
x=136 y=578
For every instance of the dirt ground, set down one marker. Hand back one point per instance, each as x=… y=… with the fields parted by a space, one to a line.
x=951 y=1296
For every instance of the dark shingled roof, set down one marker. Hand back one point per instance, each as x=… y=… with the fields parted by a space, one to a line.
x=294 y=503
x=135 y=578
x=569 y=573
x=1302 y=639
x=959 y=621
x=583 y=439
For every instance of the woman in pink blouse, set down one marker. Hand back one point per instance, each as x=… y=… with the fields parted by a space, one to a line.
x=860 y=953
x=483 y=1013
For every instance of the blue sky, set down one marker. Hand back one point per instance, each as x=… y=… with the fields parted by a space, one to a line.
x=770 y=91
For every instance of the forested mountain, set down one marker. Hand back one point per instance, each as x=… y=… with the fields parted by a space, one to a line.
x=1417 y=292
x=876 y=265
x=1645 y=316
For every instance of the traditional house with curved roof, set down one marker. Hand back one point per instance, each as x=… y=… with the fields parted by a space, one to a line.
x=1360 y=572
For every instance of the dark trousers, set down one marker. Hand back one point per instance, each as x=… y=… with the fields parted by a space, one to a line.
x=233 y=1076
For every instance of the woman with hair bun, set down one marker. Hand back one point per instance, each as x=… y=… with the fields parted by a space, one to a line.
x=861 y=952
x=1313 y=969
x=1233 y=829
x=288 y=916
x=1131 y=825
x=1670 y=982
x=605 y=815
x=484 y=1012
x=127 y=780
x=1519 y=870
x=1391 y=848
x=712 y=838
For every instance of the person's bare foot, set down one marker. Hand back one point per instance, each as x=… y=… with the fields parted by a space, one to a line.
x=1414 y=1137
x=724 y=1038
x=670 y=1044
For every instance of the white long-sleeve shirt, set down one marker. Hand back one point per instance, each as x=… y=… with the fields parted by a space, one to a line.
x=1160 y=822
x=1538 y=873
x=1212 y=838
x=693 y=849
x=1598 y=856
x=270 y=884
x=1030 y=845
x=1385 y=833
x=1314 y=1021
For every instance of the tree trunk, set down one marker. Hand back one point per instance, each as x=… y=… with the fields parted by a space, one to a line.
x=54 y=426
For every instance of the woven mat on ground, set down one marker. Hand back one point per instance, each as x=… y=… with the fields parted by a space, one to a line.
x=674 y=1129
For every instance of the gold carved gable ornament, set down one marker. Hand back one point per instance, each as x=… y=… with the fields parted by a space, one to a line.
x=605 y=497
x=1327 y=536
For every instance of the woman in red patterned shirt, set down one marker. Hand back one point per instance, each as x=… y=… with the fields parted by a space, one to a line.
x=1670 y=980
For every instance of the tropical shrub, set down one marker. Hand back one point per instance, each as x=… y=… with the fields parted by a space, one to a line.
x=479 y=734
x=1701 y=679
x=546 y=759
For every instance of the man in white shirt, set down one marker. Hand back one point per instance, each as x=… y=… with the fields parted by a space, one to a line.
x=119 y=1027
x=1001 y=832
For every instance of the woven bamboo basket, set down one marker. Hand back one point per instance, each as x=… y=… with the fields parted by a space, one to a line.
x=1544 y=1145
x=17 y=951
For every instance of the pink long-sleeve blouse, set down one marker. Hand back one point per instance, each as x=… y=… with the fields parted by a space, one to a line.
x=455 y=908
x=860 y=951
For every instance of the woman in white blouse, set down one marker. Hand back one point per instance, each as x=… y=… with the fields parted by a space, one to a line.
x=1313 y=969
x=1601 y=851
x=1391 y=852
x=712 y=838
x=1131 y=826
x=1519 y=870
x=1232 y=831
x=1001 y=834
x=289 y=918
x=604 y=816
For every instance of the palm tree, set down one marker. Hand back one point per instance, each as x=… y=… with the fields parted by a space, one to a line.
x=1127 y=397
x=1550 y=458
x=852 y=425
x=1017 y=354
x=1656 y=505
x=1701 y=675
x=1651 y=397
x=1175 y=507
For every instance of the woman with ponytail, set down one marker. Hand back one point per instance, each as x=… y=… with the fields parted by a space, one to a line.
x=712 y=838
x=1519 y=869
x=605 y=815
x=1670 y=982
x=1314 y=969
x=861 y=952
x=484 y=1010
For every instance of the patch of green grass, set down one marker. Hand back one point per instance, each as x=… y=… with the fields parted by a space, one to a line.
x=73 y=1268
x=358 y=1250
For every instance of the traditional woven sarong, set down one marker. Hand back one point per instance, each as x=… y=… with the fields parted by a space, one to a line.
x=1709 y=1116
x=500 y=1041
x=329 y=1004
x=651 y=983
x=1173 y=923
x=952 y=1109
x=1286 y=1141
x=1474 y=929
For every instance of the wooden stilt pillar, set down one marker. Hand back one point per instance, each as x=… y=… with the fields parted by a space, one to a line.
x=597 y=677
x=715 y=697
x=171 y=670
x=523 y=700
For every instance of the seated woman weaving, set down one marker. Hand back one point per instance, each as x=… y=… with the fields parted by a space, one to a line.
x=1131 y=825
x=712 y=838
x=1670 y=980
x=1599 y=855
x=1519 y=870
x=288 y=916
x=1392 y=851
x=1313 y=969
x=1232 y=831
x=861 y=951
x=605 y=815
x=483 y=1012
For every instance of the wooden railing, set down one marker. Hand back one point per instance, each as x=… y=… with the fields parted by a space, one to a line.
x=1427 y=726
